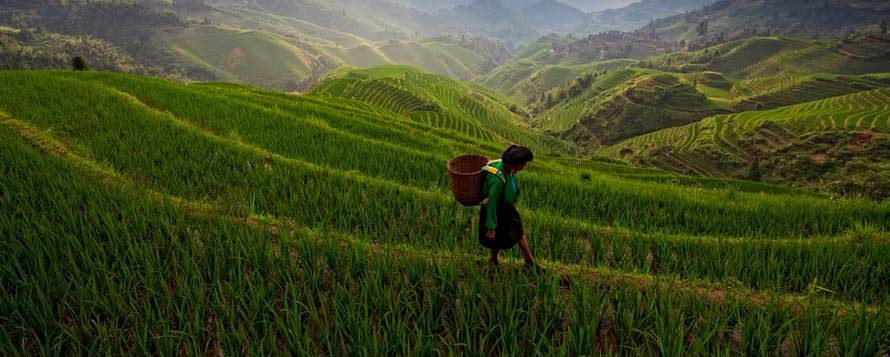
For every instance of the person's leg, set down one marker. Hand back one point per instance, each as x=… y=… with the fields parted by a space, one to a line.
x=526 y=252
x=494 y=256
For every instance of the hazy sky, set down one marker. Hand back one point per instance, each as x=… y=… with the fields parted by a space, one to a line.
x=597 y=5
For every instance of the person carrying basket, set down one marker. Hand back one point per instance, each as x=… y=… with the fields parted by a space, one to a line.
x=500 y=226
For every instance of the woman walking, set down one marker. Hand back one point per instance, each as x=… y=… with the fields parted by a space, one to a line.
x=500 y=226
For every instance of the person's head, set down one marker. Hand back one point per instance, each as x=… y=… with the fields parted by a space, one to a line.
x=516 y=157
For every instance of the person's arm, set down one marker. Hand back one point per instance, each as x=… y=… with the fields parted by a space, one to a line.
x=495 y=187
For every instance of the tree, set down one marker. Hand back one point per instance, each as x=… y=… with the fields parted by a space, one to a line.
x=702 y=27
x=754 y=171
x=79 y=64
x=885 y=26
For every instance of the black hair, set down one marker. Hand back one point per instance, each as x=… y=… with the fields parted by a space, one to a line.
x=517 y=155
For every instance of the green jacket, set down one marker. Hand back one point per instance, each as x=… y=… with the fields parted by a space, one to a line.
x=494 y=190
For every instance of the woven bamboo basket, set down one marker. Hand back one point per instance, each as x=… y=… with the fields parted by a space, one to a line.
x=465 y=176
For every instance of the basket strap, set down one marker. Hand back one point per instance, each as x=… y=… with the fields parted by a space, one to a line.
x=495 y=171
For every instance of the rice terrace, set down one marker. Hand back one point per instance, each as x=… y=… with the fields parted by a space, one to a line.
x=463 y=177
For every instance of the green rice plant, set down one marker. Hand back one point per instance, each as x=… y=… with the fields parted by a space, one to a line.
x=206 y=220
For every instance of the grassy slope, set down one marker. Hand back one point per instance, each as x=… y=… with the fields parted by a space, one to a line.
x=273 y=61
x=210 y=215
x=236 y=55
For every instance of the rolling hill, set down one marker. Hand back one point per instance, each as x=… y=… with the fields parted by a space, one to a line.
x=139 y=215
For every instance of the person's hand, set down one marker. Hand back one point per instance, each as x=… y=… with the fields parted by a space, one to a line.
x=490 y=234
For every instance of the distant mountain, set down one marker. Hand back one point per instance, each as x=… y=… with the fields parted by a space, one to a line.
x=639 y=14
x=598 y=5
x=799 y=18
x=510 y=20
x=432 y=6
x=489 y=18
x=554 y=16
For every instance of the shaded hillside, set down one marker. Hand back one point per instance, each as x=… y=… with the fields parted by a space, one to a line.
x=799 y=18
x=110 y=35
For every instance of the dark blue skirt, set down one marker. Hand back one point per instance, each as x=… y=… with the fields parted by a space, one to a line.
x=508 y=232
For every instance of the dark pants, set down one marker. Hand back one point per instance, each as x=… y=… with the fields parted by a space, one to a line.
x=508 y=232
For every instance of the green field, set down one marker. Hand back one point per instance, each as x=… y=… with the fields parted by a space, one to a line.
x=144 y=216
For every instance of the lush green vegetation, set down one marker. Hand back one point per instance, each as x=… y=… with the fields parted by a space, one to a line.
x=141 y=215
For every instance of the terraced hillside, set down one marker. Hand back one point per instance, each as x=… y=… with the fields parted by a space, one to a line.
x=524 y=82
x=771 y=56
x=626 y=103
x=440 y=102
x=781 y=90
x=143 y=216
x=729 y=145
x=554 y=60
